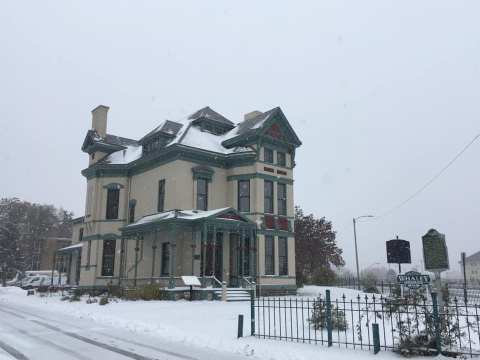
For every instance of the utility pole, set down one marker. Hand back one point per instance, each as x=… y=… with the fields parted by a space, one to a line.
x=356 y=252
x=356 y=247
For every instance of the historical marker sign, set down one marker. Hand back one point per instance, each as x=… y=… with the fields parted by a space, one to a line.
x=413 y=280
x=435 y=252
x=398 y=251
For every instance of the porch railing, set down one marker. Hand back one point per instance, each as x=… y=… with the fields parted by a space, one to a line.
x=211 y=281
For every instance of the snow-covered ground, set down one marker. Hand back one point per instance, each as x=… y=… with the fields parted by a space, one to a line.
x=206 y=324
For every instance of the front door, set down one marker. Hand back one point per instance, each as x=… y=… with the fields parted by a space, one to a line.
x=239 y=259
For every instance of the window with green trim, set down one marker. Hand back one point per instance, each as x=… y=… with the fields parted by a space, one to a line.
x=108 y=257
x=202 y=194
x=282 y=255
x=113 y=198
x=161 y=196
x=268 y=155
x=268 y=196
x=269 y=255
x=244 y=195
x=282 y=199
x=281 y=159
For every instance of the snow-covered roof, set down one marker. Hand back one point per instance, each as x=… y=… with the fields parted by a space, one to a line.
x=131 y=153
x=71 y=247
x=189 y=215
x=184 y=132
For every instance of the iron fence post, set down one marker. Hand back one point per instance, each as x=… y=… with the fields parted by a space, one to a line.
x=329 y=317
x=376 y=338
x=252 y=312
x=436 y=321
x=240 y=326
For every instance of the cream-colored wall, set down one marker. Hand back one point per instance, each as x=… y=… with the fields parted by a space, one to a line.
x=76 y=232
x=180 y=188
x=180 y=193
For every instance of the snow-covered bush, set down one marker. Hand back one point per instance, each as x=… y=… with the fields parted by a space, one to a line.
x=319 y=316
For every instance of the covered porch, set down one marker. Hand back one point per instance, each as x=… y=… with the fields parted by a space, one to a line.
x=218 y=246
x=67 y=261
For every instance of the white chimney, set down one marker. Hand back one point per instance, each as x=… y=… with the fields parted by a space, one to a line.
x=99 y=119
x=252 y=114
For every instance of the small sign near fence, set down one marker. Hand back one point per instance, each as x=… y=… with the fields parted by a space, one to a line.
x=413 y=280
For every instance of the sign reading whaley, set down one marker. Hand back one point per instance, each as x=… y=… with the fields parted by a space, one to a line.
x=413 y=279
x=435 y=252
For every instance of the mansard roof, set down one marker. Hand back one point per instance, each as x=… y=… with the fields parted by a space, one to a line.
x=110 y=143
x=193 y=136
x=208 y=113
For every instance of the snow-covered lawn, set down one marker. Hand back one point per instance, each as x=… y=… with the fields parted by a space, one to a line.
x=210 y=324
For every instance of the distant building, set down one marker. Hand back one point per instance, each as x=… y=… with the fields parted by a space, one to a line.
x=197 y=196
x=47 y=249
x=472 y=267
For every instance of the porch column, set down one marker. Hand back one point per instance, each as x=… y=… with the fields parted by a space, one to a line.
x=204 y=248
x=69 y=277
x=173 y=246
x=193 y=246
x=252 y=254
x=137 y=242
x=214 y=245
x=125 y=259
x=154 y=252
x=242 y=253
x=122 y=259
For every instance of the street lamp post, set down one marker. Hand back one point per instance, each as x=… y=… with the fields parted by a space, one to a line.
x=356 y=247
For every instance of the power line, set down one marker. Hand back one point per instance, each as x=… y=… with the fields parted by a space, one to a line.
x=435 y=177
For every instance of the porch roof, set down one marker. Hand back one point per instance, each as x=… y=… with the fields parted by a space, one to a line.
x=70 y=248
x=224 y=216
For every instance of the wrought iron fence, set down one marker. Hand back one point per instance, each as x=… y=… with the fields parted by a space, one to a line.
x=425 y=326
x=455 y=287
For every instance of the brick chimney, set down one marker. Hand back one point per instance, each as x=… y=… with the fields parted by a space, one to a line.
x=99 y=119
x=252 y=114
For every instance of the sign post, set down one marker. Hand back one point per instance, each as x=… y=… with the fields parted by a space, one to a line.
x=435 y=257
x=398 y=252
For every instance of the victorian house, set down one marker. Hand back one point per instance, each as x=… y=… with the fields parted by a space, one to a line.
x=196 y=196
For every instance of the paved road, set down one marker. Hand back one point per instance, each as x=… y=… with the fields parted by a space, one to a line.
x=26 y=334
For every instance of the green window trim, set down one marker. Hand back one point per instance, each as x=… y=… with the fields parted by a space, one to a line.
x=243 y=195
x=113 y=203
x=202 y=194
x=269 y=255
x=268 y=197
x=113 y=186
x=260 y=176
x=203 y=172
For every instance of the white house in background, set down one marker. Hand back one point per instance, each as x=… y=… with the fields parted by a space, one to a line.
x=472 y=267
x=196 y=196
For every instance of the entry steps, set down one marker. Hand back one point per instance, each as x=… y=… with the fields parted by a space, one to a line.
x=233 y=294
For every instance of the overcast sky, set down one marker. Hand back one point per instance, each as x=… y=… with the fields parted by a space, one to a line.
x=382 y=94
